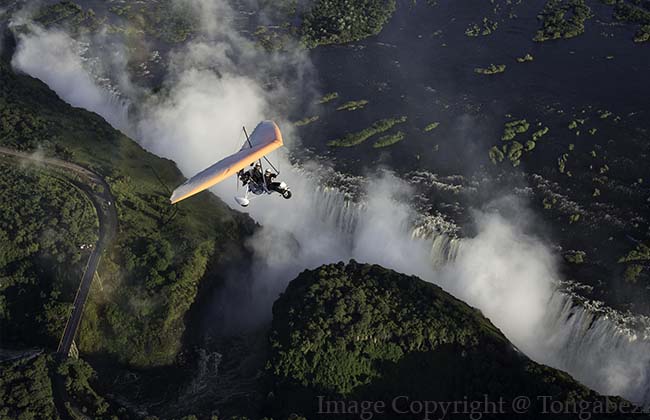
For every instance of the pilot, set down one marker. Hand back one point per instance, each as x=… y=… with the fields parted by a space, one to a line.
x=254 y=174
x=268 y=179
x=244 y=176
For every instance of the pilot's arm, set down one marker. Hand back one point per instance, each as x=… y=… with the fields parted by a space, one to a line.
x=244 y=176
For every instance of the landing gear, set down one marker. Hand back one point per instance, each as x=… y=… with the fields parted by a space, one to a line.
x=284 y=190
x=257 y=189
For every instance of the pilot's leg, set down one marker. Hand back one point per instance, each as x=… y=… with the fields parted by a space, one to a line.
x=275 y=186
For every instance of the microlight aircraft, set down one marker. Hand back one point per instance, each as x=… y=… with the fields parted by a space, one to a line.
x=257 y=181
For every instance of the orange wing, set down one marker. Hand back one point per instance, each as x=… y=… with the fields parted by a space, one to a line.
x=265 y=138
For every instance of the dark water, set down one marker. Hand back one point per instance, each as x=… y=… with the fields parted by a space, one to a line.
x=422 y=66
x=409 y=70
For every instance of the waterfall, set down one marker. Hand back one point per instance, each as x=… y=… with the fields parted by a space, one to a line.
x=336 y=209
x=591 y=342
x=444 y=248
x=593 y=346
x=586 y=341
x=575 y=336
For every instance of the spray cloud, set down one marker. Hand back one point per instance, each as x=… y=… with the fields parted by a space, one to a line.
x=218 y=82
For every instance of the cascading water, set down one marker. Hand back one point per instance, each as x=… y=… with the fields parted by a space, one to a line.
x=327 y=226
x=573 y=337
x=81 y=83
x=596 y=350
x=444 y=248
x=588 y=342
x=335 y=209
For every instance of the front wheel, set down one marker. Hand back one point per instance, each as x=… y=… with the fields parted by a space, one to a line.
x=286 y=194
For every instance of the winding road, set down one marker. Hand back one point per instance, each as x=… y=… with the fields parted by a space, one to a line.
x=104 y=204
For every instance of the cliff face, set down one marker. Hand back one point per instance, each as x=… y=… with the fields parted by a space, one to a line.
x=151 y=272
x=361 y=332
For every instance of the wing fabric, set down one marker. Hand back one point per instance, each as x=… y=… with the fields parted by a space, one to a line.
x=263 y=132
x=265 y=138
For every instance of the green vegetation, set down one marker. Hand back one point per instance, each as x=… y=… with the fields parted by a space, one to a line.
x=512 y=128
x=45 y=220
x=643 y=34
x=69 y=14
x=77 y=376
x=26 y=390
x=272 y=39
x=640 y=253
x=549 y=202
x=362 y=331
x=575 y=123
x=431 y=126
x=353 y=105
x=473 y=30
x=530 y=145
x=341 y=21
x=632 y=273
x=152 y=271
x=525 y=59
x=514 y=152
x=575 y=257
x=306 y=121
x=321 y=22
x=389 y=140
x=353 y=139
x=496 y=155
x=487 y=28
x=640 y=259
x=165 y=20
x=333 y=327
x=491 y=69
x=540 y=133
x=634 y=12
x=328 y=97
x=562 y=19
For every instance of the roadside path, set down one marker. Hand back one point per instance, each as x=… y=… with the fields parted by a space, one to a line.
x=104 y=204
